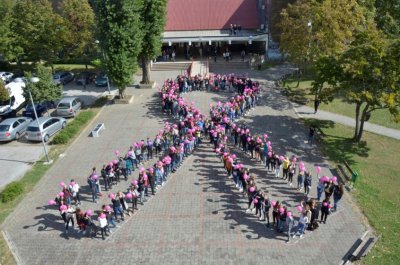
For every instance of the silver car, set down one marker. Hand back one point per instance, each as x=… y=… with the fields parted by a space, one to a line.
x=68 y=107
x=12 y=129
x=63 y=78
x=48 y=125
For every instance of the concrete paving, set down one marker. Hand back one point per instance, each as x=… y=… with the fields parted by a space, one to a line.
x=307 y=112
x=197 y=217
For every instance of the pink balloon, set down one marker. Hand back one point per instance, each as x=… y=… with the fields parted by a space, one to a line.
x=245 y=177
x=115 y=161
x=294 y=159
x=325 y=204
x=269 y=154
x=116 y=152
x=95 y=177
x=151 y=170
x=111 y=164
x=145 y=177
x=281 y=158
x=252 y=189
x=89 y=212
x=255 y=201
x=52 y=202
x=102 y=216
x=273 y=203
x=107 y=208
x=334 y=179
x=63 y=207
x=135 y=182
x=281 y=210
x=301 y=164
x=128 y=196
x=141 y=169
x=62 y=184
x=318 y=169
x=299 y=208
x=289 y=214
x=111 y=196
x=61 y=194
x=265 y=136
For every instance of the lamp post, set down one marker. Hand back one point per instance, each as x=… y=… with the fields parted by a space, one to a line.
x=35 y=80
x=309 y=25
x=104 y=58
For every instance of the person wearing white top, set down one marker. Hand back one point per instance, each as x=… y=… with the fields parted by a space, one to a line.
x=103 y=225
x=74 y=189
x=303 y=221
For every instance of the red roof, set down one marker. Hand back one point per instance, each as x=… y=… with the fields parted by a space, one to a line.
x=211 y=14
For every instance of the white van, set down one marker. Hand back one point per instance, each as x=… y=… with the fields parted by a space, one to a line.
x=16 y=101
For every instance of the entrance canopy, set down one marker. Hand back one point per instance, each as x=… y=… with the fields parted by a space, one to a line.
x=213 y=36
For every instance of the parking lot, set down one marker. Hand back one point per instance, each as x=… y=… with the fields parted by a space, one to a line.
x=16 y=157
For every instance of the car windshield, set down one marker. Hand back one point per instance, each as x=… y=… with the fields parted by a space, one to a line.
x=33 y=129
x=63 y=105
x=29 y=107
x=4 y=128
x=56 y=76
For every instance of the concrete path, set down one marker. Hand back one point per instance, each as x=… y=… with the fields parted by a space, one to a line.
x=307 y=112
x=198 y=216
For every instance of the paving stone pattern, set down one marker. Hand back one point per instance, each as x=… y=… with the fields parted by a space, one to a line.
x=198 y=217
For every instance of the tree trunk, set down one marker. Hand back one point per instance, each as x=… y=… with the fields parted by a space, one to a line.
x=121 y=91
x=358 y=106
x=145 y=70
x=362 y=121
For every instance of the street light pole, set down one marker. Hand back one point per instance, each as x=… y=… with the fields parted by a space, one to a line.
x=35 y=80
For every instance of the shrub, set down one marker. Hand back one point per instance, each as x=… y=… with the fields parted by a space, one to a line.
x=11 y=191
x=73 y=128
x=61 y=138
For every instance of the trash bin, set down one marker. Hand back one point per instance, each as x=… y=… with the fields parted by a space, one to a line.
x=354 y=176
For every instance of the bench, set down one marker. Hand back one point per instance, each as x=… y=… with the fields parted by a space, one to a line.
x=343 y=174
x=97 y=129
x=361 y=248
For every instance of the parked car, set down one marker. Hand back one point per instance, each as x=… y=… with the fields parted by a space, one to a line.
x=6 y=76
x=101 y=80
x=85 y=78
x=41 y=108
x=63 y=78
x=68 y=107
x=12 y=129
x=48 y=125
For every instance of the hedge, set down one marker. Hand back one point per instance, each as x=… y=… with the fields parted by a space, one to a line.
x=74 y=127
x=11 y=191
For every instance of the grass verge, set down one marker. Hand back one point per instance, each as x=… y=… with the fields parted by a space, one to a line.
x=376 y=190
x=37 y=171
x=338 y=105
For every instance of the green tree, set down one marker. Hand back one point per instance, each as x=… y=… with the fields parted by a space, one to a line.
x=78 y=38
x=153 y=19
x=120 y=38
x=312 y=28
x=6 y=7
x=36 y=31
x=4 y=95
x=45 y=89
x=368 y=75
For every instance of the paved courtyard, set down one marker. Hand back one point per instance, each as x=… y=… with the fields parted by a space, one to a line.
x=198 y=217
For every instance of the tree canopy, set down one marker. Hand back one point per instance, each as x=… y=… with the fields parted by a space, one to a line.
x=153 y=18
x=120 y=38
x=4 y=95
x=45 y=89
x=311 y=29
x=367 y=74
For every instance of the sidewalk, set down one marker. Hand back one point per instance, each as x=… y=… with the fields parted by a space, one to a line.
x=307 y=112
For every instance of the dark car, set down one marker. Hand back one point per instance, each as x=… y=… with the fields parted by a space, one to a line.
x=41 y=108
x=101 y=80
x=85 y=78
x=63 y=78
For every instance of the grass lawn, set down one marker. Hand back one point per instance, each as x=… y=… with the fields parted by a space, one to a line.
x=377 y=188
x=72 y=67
x=339 y=106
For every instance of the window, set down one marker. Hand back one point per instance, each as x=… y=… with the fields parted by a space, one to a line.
x=21 y=121
x=15 y=124
x=46 y=124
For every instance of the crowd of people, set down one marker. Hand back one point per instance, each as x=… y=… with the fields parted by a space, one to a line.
x=176 y=141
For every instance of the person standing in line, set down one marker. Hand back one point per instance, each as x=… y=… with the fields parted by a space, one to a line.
x=337 y=195
x=289 y=224
x=311 y=134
